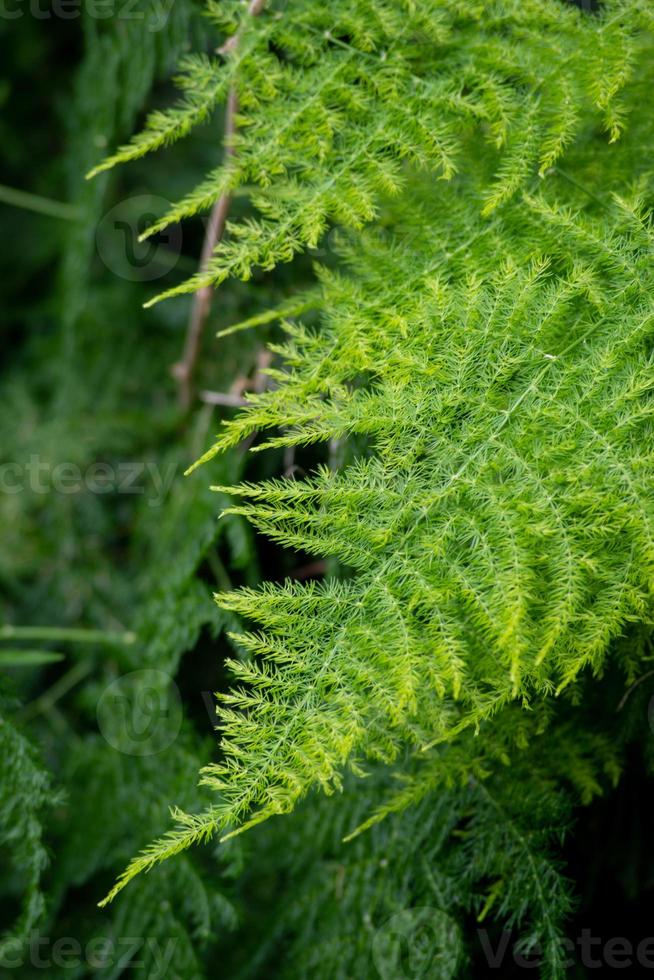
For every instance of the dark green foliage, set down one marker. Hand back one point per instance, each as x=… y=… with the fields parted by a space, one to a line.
x=26 y=794
x=433 y=568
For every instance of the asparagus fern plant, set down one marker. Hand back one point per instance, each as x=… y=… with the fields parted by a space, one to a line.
x=470 y=373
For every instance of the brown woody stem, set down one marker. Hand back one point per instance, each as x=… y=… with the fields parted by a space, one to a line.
x=184 y=370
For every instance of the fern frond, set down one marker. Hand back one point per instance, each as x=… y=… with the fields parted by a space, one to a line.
x=501 y=527
x=486 y=346
x=501 y=531
x=336 y=99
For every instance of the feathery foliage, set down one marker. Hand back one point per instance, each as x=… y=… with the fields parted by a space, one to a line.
x=456 y=423
x=495 y=363
x=340 y=101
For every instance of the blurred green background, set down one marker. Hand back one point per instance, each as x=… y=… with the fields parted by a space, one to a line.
x=110 y=644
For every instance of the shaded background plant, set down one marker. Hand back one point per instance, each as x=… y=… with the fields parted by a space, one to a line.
x=391 y=332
